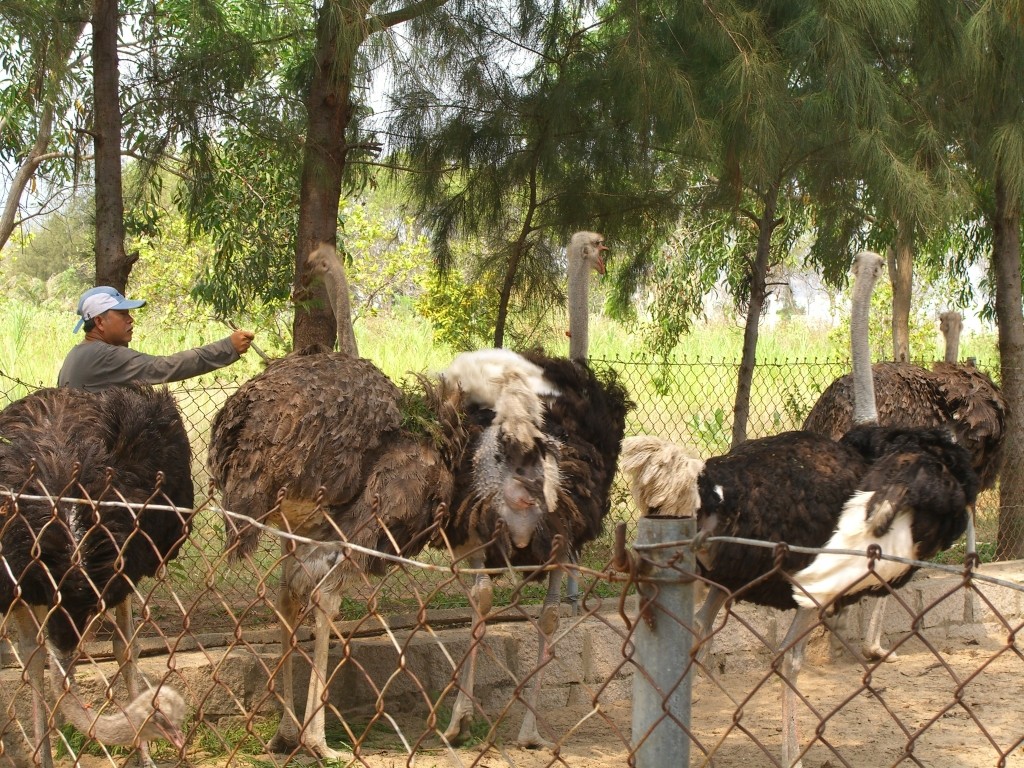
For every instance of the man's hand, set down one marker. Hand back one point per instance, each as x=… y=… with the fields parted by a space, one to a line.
x=241 y=339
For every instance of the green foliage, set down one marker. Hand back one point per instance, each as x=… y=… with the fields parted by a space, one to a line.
x=387 y=255
x=711 y=431
x=245 y=738
x=460 y=313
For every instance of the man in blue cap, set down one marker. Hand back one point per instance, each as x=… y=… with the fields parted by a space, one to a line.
x=104 y=360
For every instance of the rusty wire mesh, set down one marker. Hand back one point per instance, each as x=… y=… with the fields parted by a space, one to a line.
x=210 y=630
x=686 y=401
x=952 y=699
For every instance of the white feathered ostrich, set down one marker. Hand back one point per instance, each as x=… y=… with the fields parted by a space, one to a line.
x=65 y=562
x=906 y=490
x=356 y=459
x=953 y=395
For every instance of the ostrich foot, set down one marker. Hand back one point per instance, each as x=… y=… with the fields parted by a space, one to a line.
x=875 y=652
x=530 y=738
x=458 y=731
x=322 y=752
x=142 y=761
x=285 y=745
x=280 y=745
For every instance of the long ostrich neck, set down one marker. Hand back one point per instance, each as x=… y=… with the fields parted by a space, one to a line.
x=866 y=269
x=579 y=292
x=121 y=727
x=951 y=330
x=337 y=294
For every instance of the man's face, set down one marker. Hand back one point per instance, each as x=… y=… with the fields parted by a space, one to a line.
x=115 y=327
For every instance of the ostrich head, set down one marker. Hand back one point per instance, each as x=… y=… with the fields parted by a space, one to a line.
x=662 y=476
x=320 y=261
x=586 y=249
x=161 y=717
x=153 y=714
x=324 y=263
x=515 y=463
x=951 y=323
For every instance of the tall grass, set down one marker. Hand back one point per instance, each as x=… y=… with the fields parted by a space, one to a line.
x=35 y=339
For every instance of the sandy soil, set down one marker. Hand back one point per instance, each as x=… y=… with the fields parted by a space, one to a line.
x=962 y=710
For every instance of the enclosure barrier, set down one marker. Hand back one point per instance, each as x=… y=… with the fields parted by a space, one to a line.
x=952 y=698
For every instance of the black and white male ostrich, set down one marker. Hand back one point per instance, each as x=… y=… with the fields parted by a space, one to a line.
x=66 y=562
x=325 y=446
x=585 y=415
x=953 y=395
x=585 y=418
x=906 y=490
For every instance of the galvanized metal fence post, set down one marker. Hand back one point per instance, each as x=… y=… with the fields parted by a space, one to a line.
x=662 y=684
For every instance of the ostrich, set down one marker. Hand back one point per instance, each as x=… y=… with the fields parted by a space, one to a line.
x=584 y=254
x=906 y=490
x=323 y=262
x=325 y=446
x=951 y=395
x=586 y=420
x=66 y=562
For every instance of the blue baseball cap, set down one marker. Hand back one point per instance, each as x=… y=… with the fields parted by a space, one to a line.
x=98 y=300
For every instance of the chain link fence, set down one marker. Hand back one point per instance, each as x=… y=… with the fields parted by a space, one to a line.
x=212 y=631
x=690 y=402
x=390 y=677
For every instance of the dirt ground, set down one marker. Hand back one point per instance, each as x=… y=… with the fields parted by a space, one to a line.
x=963 y=710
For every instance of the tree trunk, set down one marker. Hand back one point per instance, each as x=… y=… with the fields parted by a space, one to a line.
x=758 y=291
x=323 y=164
x=113 y=265
x=901 y=273
x=1006 y=268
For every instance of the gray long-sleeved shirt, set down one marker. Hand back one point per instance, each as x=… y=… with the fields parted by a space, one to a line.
x=96 y=365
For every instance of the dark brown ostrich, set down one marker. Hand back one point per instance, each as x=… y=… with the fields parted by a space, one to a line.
x=906 y=490
x=953 y=395
x=123 y=444
x=357 y=460
x=585 y=417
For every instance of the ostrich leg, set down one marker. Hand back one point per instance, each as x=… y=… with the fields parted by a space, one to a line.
x=529 y=736
x=326 y=603
x=873 y=649
x=310 y=733
x=462 y=711
x=705 y=619
x=32 y=655
x=793 y=646
x=286 y=739
x=126 y=651
x=572 y=586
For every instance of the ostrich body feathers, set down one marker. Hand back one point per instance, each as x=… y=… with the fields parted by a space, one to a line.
x=72 y=437
x=904 y=489
x=480 y=373
x=912 y=502
x=958 y=396
x=585 y=423
x=327 y=429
